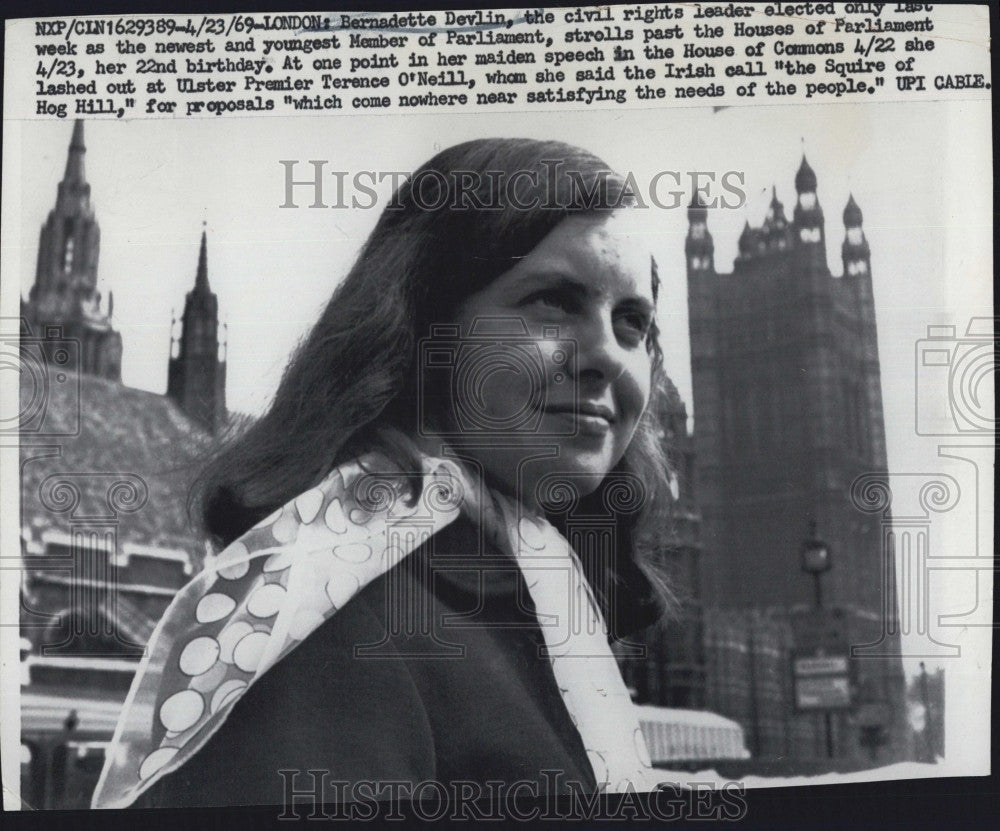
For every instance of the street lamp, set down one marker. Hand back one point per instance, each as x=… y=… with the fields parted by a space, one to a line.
x=815 y=560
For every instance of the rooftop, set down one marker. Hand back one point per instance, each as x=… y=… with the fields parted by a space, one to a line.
x=98 y=450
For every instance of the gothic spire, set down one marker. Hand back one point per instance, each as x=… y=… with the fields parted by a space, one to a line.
x=65 y=290
x=196 y=378
x=201 y=278
x=74 y=161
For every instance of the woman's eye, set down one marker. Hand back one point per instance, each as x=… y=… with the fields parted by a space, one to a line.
x=636 y=322
x=551 y=299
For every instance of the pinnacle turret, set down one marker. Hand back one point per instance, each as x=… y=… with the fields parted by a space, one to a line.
x=699 y=247
x=697 y=212
x=805 y=178
x=852 y=214
x=855 y=250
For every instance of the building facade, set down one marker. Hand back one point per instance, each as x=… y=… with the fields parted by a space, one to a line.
x=787 y=396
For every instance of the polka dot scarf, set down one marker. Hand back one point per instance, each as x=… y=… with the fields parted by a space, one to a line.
x=283 y=578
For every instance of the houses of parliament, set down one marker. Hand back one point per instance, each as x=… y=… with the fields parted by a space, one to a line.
x=65 y=297
x=787 y=391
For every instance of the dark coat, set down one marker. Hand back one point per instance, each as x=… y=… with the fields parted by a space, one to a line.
x=421 y=676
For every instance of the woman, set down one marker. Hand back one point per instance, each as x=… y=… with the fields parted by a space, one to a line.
x=397 y=600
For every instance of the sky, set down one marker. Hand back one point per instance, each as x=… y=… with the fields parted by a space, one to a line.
x=920 y=173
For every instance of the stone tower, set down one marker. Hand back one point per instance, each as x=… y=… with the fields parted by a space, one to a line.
x=788 y=414
x=197 y=375
x=64 y=301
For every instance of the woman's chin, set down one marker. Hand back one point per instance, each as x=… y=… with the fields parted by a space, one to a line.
x=571 y=474
x=540 y=473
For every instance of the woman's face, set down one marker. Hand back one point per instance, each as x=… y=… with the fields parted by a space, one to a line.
x=558 y=372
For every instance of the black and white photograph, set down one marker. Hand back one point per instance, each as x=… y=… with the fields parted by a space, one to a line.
x=499 y=463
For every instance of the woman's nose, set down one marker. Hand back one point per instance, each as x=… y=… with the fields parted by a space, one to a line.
x=600 y=357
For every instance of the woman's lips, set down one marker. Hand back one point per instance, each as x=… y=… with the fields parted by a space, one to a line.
x=589 y=421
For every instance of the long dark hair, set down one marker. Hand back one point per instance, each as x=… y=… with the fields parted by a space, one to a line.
x=451 y=228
